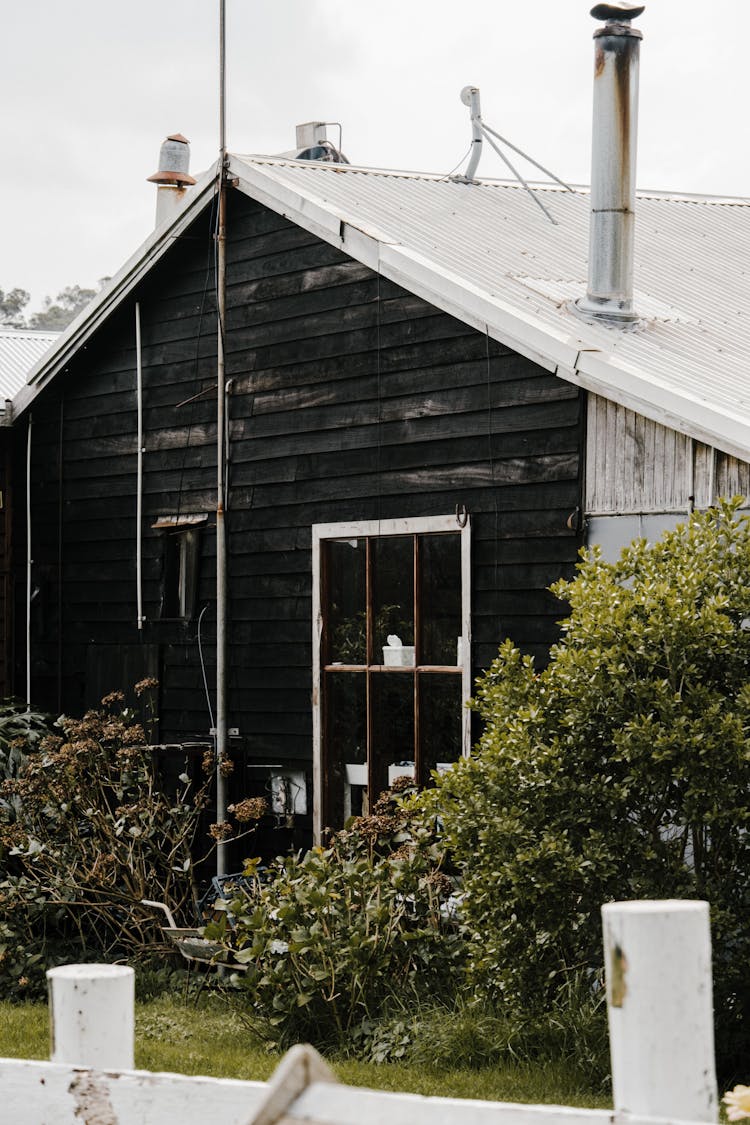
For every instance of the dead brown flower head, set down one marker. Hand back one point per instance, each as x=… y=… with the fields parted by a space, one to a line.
x=50 y=743
x=134 y=735
x=147 y=684
x=252 y=808
x=112 y=698
x=440 y=883
x=402 y=783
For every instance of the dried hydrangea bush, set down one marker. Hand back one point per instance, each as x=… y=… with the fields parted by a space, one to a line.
x=86 y=831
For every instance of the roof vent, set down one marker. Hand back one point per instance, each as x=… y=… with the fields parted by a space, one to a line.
x=609 y=294
x=313 y=143
x=173 y=177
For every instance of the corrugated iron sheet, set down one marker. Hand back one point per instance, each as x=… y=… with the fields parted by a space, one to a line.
x=692 y=266
x=19 y=351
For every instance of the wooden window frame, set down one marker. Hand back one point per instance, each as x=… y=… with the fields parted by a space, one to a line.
x=182 y=535
x=370 y=529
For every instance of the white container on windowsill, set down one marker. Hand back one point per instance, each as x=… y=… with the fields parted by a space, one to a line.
x=400 y=769
x=356 y=773
x=396 y=655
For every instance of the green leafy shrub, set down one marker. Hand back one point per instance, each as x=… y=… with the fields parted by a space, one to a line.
x=86 y=832
x=336 y=938
x=620 y=771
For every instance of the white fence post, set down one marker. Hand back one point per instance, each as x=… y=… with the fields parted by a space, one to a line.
x=92 y=1015
x=657 y=958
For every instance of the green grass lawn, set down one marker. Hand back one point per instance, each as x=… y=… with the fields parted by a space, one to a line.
x=212 y=1039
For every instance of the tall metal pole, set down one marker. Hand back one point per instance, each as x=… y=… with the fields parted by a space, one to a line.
x=29 y=563
x=221 y=543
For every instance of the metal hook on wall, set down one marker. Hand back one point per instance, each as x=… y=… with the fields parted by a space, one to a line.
x=462 y=516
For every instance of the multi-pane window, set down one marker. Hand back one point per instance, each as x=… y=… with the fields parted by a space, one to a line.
x=392 y=657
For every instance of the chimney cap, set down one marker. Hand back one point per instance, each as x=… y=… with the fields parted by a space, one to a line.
x=617 y=11
x=174 y=162
x=181 y=179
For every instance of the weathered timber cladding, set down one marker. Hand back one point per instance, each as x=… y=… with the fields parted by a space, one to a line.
x=636 y=465
x=350 y=399
x=6 y=563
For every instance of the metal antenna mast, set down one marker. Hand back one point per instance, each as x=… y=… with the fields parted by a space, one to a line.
x=470 y=98
x=221 y=541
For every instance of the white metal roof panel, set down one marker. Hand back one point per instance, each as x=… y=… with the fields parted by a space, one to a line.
x=20 y=350
x=486 y=253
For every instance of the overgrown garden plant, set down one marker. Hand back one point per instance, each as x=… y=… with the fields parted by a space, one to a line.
x=622 y=770
x=87 y=830
x=341 y=938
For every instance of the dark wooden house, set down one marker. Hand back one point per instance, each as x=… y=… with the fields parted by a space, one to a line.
x=418 y=428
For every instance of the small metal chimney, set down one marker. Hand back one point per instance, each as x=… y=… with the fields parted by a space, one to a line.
x=311 y=133
x=313 y=144
x=173 y=178
x=609 y=295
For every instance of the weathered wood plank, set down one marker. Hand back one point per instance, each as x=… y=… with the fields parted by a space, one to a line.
x=732 y=477
x=39 y=1092
x=261 y=460
x=266 y=289
x=636 y=465
x=340 y=1105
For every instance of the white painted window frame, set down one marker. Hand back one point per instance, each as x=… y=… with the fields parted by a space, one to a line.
x=420 y=525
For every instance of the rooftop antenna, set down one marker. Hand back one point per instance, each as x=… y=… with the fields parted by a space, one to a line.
x=470 y=98
x=220 y=729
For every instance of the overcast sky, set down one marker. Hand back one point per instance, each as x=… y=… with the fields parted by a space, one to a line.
x=90 y=89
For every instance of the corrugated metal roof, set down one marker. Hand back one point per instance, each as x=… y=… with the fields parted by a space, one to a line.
x=488 y=245
x=485 y=253
x=19 y=351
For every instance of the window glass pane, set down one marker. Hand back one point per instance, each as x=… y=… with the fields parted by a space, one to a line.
x=393 y=599
x=392 y=703
x=344 y=610
x=170 y=587
x=440 y=713
x=440 y=598
x=189 y=556
x=345 y=761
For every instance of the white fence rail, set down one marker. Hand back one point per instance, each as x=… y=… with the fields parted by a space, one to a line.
x=658 y=970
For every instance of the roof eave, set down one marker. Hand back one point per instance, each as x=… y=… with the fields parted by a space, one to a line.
x=113 y=293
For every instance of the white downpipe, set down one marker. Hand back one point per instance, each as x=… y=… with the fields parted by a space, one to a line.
x=690 y=454
x=139 y=487
x=28 y=564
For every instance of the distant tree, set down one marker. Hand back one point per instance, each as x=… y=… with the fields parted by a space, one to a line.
x=59 y=311
x=12 y=305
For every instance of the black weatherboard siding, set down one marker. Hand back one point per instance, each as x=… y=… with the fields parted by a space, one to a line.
x=350 y=399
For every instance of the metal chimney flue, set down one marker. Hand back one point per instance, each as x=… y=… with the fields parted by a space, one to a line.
x=609 y=295
x=173 y=178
